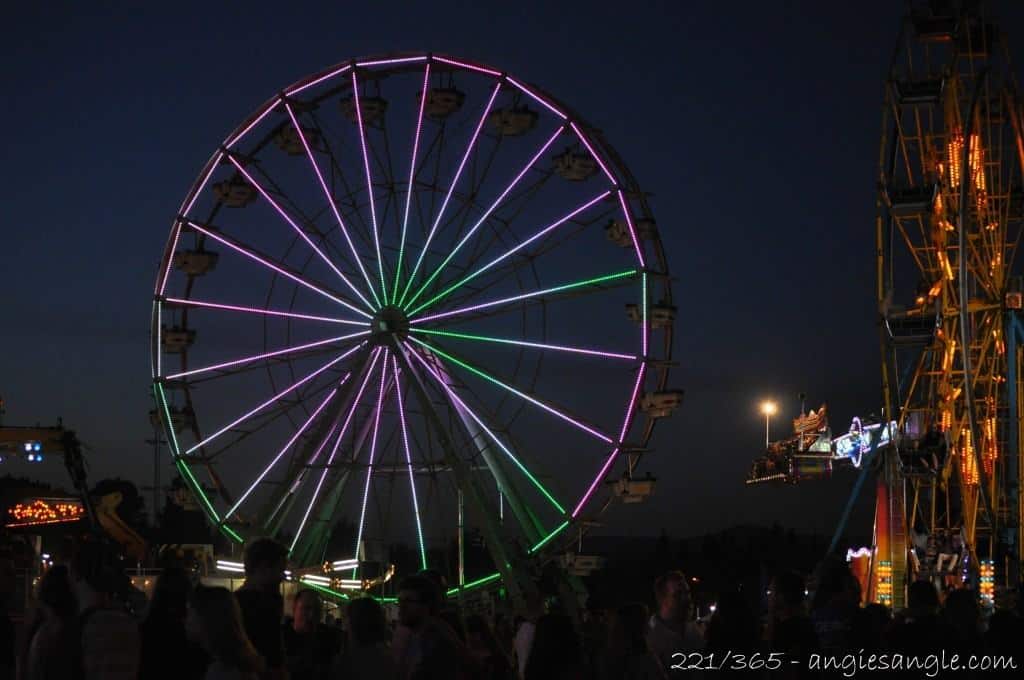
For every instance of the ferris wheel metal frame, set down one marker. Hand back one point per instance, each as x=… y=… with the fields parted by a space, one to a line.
x=391 y=342
x=950 y=178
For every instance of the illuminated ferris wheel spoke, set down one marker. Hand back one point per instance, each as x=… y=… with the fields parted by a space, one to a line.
x=522 y=343
x=265 y=312
x=412 y=179
x=540 y=234
x=273 y=399
x=373 y=452
x=519 y=393
x=369 y=184
x=451 y=189
x=563 y=288
x=296 y=228
x=485 y=216
x=280 y=454
x=333 y=207
x=455 y=399
x=408 y=457
x=267 y=355
x=252 y=255
x=337 y=443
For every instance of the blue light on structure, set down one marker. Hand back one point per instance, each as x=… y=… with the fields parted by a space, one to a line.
x=37 y=447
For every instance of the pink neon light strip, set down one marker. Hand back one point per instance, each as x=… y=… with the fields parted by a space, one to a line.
x=298 y=481
x=486 y=214
x=451 y=188
x=267 y=355
x=296 y=228
x=369 y=183
x=615 y=451
x=274 y=398
x=536 y=97
x=202 y=185
x=408 y=458
x=270 y=107
x=533 y=400
x=632 y=229
x=373 y=451
x=334 y=208
x=537 y=345
x=265 y=312
x=485 y=305
x=412 y=174
x=336 y=72
x=525 y=243
x=593 y=153
x=337 y=443
x=471 y=67
x=298 y=433
x=400 y=60
x=279 y=270
x=170 y=257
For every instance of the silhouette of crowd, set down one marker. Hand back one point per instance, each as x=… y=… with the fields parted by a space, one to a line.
x=83 y=626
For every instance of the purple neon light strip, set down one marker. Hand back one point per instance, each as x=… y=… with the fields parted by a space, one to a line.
x=522 y=395
x=266 y=312
x=202 y=185
x=511 y=252
x=632 y=229
x=266 y=355
x=412 y=177
x=298 y=433
x=296 y=228
x=298 y=481
x=270 y=107
x=274 y=398
x=369 y=184
x=471 y=67
x=586 y=143
x=408 y=462
x=451 y=188
x=279 y=270
x=373 y=451
x=334 y=451
x=523 y=343
x=480 y=422
x=334 y=208
x=536 y=97
x=384 y=62
x=328 y=76
x=505 y=301
x=486 y=214
x=615 y=452
x=170 y=257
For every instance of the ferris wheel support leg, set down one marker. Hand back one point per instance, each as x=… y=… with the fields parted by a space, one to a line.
x=1014 y=334
x=514 y=574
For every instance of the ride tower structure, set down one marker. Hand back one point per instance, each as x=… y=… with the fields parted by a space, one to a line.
x=950 y=214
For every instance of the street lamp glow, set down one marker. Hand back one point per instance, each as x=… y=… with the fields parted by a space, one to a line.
x=768 y=408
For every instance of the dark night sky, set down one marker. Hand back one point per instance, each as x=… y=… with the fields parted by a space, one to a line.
x=754 y=125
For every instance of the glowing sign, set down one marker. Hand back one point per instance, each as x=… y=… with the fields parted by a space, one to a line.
x=44 y=511
x=861 y=440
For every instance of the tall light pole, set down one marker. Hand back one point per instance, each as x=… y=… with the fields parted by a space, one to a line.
x=768 y=408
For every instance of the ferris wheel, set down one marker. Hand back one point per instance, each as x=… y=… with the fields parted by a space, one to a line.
x=950 y=220
x=413 y=302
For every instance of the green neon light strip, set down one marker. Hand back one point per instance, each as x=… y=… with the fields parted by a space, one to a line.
x=474 y=584
x=488 y=579
x=523 y=395
x=546 y=539
x=524 y=343
x=326 y=591
x=184 y=470
x=525 y=296
x=494 y=438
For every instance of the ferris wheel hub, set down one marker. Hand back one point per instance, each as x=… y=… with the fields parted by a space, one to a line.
x=389 y=323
